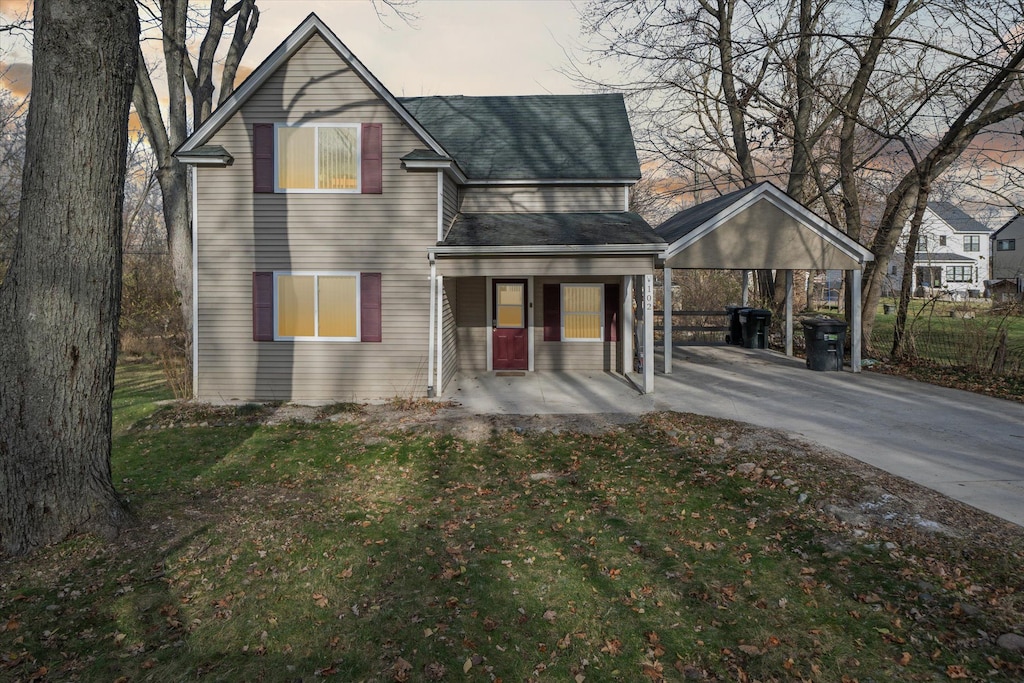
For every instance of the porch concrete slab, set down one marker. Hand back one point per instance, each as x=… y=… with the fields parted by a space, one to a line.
x=964 y=445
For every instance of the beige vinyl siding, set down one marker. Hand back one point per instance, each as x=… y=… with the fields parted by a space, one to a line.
x=240 y=232
x=571 y=356
x=763 y=236
x=471 y=323
x=449 y=353
x=451 y=203
x=510 y=266
x=543 y=199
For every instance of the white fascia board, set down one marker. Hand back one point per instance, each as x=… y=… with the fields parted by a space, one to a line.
x=204 y=160
x=551 y=250
x=312 y=24
x=448 y=167
x=548 y=181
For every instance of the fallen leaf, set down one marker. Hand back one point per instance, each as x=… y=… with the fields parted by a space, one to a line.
x=750 y=650
x=467 y=666
x=903 y=659
x=434 y=671
x=550 y=616
x=400 y=670
x=612 y=647
x=956 y=671
x=320 y=599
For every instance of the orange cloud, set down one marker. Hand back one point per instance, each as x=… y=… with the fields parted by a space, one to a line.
x=16 y=77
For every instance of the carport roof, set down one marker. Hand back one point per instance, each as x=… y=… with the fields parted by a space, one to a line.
x=757 y=227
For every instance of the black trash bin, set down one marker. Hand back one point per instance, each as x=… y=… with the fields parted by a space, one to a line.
x=735 y=335
x=824 y=339
x=755 y=323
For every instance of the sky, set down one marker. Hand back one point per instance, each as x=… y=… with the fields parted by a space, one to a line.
x=467 y=47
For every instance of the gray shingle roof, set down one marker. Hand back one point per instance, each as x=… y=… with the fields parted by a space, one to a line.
x=956 y=218
x=533 y=137
x=549 y=229
x=690 y=219
x=924 y=258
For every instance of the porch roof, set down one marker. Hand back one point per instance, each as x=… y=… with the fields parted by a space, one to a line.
x=574 y=231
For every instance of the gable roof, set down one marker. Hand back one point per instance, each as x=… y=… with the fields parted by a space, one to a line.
x=623 y=230
x=690 y=225
x=1006 y=225
x=310 y=26
x=956 y=218
x=533 y=137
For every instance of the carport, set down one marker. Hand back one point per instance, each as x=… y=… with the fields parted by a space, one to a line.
x=761 y=228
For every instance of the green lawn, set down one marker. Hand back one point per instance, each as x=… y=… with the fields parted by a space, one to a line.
x=353 y=551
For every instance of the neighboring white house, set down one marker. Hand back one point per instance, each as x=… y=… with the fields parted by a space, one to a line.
x=952 y=255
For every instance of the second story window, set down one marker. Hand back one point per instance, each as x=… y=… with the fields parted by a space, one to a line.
x=972 y=243
x=1006 y=245
x=321 y=158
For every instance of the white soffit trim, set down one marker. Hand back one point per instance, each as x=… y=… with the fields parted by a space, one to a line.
x=312 y=24
x=556 y=181
x=551 y=250
x=788 y=205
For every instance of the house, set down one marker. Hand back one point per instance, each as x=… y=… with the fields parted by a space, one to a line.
x=951 y=256
x=1008 y=252
x=351 y=245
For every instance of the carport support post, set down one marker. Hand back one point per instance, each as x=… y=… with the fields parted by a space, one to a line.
x=856 y=323
x=745 y=298
x=789 y=312
x=627 y=324
x=648 y=333
x=666 y=320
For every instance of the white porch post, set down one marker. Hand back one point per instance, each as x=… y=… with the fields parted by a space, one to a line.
x=789 y=312
x=627 y=324
x=439 y=309
x=666 y=321
x=431 y=387
x=745 y=299
x=856 y=322
x=648 y=341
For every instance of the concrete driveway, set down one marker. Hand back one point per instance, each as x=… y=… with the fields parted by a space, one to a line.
x=967 y=446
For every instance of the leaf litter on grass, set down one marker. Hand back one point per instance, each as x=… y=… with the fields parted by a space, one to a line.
x=673 y=548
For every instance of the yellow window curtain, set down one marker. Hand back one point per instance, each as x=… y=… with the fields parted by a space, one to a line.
x=338 y=158
x=510 y=305
x=295 y=158
x=337 y=305
x=582 y=311
x=295 y=306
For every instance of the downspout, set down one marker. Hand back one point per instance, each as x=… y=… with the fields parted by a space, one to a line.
x=195 y=282
x=430 y=325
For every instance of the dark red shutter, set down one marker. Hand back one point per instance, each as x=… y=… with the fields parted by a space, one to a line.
x=611 y=312
x=369 y=303
x=552 y=312
x=373 y=159
x=262 y=157
x=263 y=307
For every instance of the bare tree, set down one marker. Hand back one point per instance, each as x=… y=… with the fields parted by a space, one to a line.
x=12 y=157
x=847 y=106
x=59 y=302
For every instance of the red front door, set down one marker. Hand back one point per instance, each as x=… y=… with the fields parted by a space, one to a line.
x=508 y=310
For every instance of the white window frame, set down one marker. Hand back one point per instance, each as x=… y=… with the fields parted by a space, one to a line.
x=959 y=274
x=561 y=305
x=316 y=159
x=316 y=274
x=972 y=243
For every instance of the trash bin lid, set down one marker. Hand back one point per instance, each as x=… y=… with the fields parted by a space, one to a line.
x=823 y=322
x=759 y=313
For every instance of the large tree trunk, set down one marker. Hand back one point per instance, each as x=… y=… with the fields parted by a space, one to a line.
x=60 y=301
